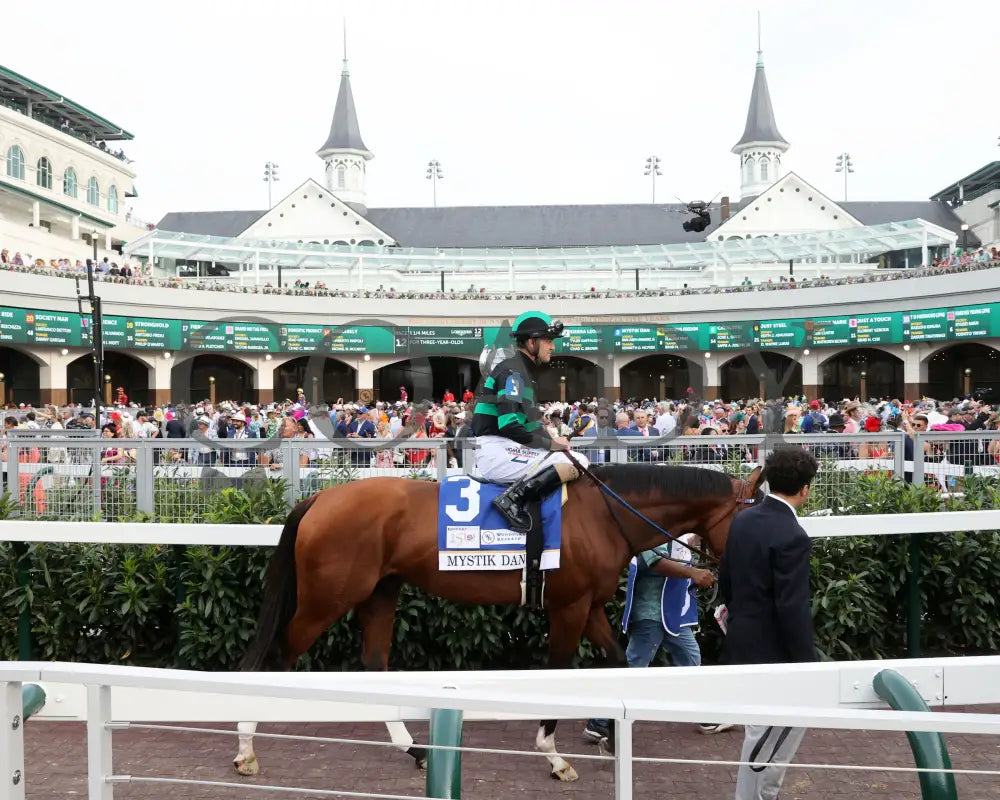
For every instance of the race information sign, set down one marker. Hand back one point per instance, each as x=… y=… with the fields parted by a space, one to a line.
x=30 y=326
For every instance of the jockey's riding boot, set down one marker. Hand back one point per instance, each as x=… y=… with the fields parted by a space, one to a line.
x=513 y=501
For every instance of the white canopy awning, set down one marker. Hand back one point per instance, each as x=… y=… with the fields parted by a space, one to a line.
x=837 y=244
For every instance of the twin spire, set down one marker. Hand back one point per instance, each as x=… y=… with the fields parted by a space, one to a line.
x=761 y=127
x=345 y=132
x=760 y=133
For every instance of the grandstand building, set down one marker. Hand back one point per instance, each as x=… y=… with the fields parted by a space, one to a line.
x=66 y=181
x=774 y=202
x=853 y=329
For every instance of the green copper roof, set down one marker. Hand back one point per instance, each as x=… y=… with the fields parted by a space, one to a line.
x=52 y=108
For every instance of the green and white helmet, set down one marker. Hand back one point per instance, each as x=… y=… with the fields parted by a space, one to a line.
x=536 y=325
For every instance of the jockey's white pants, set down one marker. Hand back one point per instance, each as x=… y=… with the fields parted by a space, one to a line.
x=502 y=460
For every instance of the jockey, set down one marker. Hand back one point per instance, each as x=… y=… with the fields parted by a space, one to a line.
x=514 y=446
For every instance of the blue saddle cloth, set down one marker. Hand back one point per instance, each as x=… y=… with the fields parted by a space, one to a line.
x=474 y=535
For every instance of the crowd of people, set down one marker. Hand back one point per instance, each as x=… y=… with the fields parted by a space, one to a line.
x=134 y=273
x=658 y=420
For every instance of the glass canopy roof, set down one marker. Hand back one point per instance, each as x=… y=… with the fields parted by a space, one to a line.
x=911 y=234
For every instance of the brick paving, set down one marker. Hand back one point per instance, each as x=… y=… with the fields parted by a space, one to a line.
x=56 y=763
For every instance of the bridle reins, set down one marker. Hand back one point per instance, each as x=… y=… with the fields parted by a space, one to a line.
x=743 y=498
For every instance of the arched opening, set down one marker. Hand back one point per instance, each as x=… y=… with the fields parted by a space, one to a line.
x=20 y=378
x=337 y=380
x=883 y=374
x=583 y=379
x=125 y=371
x=234 y=380
x=771 y=374
x=426 y=378
x=641 y=378
x=946 y=377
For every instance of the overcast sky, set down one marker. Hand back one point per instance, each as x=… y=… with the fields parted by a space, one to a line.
x=522 y=101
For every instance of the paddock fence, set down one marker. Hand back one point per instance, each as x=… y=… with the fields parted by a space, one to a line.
x=81 y=478
x=832 y=695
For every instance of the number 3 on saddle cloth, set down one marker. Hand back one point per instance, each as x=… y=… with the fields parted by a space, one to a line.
x=473 y=535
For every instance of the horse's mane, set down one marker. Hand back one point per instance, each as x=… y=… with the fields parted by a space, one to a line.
x=645 y=479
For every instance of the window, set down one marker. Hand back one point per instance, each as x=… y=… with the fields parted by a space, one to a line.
x=69 y=182
x=15 y=162
x=341 y=177
x=748 y=170
x=93 y=192
x=43 y=173
x=765 y=168
x=112 y=199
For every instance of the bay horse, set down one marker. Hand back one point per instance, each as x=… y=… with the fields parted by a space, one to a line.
x=355 y=545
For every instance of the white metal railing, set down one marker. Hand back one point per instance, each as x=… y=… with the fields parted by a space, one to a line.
x=244 y=535
x=837 y=695
x=69 y=477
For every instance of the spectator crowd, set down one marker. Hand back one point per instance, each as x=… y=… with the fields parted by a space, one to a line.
x=136 y=274
x=659 y=421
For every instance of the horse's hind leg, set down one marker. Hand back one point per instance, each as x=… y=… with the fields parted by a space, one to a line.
x=376 y=616
x=304 y=629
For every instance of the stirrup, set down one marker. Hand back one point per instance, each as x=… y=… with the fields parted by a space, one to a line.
x=512 y=510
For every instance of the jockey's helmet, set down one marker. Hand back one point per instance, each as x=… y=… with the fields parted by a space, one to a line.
x=536 y=325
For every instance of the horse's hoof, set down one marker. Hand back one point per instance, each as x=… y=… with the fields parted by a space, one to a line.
x=606 y=746
x=567 y=774
x=248 y=766
x=419 y=757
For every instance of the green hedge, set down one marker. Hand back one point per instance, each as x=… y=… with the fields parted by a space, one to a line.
x=195 y=607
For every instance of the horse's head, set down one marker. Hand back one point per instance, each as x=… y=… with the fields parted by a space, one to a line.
x=746 y=493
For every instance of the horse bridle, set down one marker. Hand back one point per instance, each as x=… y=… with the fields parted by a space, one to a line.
x=743 y=498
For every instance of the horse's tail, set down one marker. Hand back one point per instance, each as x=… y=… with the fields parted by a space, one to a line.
x=280 y=598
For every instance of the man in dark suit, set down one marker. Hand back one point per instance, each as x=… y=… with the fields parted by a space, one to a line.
x=764 y=580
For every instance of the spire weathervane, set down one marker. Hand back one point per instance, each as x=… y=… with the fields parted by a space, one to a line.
x=760 y=52
x=345 y=71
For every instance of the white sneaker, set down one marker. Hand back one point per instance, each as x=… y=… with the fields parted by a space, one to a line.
x=709 y=728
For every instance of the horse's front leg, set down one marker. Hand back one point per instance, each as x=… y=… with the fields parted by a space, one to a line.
x=245 y=761
x=566 y=624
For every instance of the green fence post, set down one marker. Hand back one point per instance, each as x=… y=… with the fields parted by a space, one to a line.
x=914 y=604
x=444 y=767
x=24 y=618
x=929 y=750
x=32 y=699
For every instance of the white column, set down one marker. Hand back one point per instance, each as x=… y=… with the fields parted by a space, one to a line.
x=510 y=274
x=361 y=275
x=264 y=379
x=924 y=260
x=810 y=370
x=36 y=214
x=74 y=224
x=713 y=376
x=107 y=240
x=256 y=267
x=159 y=379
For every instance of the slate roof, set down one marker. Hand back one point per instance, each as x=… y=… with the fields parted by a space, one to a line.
x=345 y=132
x=760 y=126
x=553 y=226
x=879 y=212
x=537 y=226
x=210 y=223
